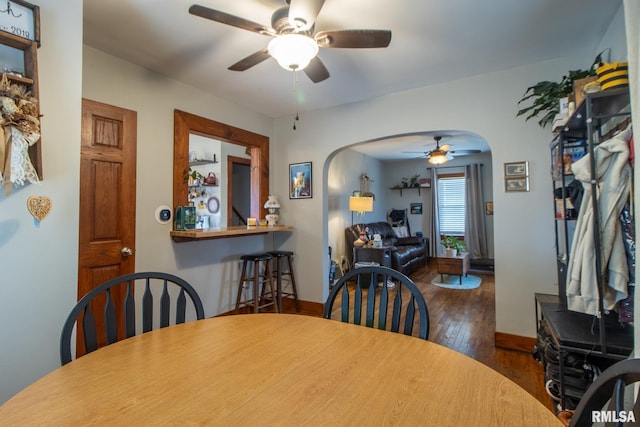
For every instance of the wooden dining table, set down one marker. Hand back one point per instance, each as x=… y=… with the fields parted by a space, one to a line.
x=274 y=369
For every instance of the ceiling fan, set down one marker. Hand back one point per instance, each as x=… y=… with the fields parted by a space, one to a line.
x=295 y=43
x=444 y=153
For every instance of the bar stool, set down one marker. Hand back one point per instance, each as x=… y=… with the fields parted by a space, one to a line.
x=262 y=275
x=279 y=273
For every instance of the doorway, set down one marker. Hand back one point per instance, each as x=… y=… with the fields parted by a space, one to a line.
x=239 y=193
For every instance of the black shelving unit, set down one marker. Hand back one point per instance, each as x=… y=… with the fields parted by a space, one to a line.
x=601 y=339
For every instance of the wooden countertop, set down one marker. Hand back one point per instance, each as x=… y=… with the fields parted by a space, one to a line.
x=274 y=369
x=224 y=232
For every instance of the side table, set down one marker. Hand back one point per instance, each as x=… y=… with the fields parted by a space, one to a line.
x=381 y=256
x=458 y=265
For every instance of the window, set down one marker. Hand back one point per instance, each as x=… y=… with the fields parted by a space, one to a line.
x=451 y=204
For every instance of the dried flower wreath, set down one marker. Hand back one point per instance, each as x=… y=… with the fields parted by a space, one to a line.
x=19 y=129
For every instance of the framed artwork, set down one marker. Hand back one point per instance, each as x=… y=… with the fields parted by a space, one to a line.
x=300 y=181
x=489 y=208
x=516 y=169
x=516 y=184
x=416 y=208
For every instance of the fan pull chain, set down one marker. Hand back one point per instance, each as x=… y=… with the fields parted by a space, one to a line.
x=295 y=97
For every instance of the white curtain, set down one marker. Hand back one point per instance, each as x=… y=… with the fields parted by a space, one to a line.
x=475 y=233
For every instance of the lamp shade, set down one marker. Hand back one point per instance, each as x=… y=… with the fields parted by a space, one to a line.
x=272 y=203
x=361 y=204
x=293 y=51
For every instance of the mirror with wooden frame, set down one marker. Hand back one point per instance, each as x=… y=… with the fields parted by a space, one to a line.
x=186 y=126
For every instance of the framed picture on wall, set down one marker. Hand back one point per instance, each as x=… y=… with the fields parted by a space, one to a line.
x=514 y=169
x=416 y=208
x=516 y=184
x=300 y=181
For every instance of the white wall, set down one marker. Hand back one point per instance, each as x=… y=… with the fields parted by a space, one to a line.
x=39 y=264
x=343 y=179
x=485 y=105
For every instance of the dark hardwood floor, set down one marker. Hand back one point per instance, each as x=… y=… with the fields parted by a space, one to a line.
x=464 y=321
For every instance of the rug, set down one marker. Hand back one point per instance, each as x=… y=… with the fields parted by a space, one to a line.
x=452 y=281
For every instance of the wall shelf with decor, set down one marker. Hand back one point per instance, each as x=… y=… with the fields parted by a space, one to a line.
x=401 y=189
x=570 y=328
x=19 y=56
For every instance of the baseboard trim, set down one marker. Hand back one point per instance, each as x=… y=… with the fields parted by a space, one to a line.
x=514 y=342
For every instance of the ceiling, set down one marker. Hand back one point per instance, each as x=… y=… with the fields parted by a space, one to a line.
x=433 y=41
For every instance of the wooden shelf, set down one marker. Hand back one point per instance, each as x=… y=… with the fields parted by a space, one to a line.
x=201 y=162
x=408 y=188
x=183 y=236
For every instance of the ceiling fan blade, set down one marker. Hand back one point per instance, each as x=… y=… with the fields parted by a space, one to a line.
x=232 y=20
x=316 y=70
x=445 y=147
x=251 y=60
x=353 y=38
x=465 y=152
x=303 y=13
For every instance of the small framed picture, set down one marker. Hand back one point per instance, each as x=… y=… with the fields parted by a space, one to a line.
x=516 y=184
x=300 y=180
x=489 y=208
x=516 y=169
x=416 y=208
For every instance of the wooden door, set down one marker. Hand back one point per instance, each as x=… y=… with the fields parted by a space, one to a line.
x=107 y=195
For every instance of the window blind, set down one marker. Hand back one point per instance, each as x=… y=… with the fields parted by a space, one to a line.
x=451 y=205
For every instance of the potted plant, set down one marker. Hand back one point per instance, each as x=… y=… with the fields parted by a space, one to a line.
x=452 y=245
x=546 y=95
x=404 y=181
x=414 y=180
x=192 y=177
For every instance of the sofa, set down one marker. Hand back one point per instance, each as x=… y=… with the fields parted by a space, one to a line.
x=408 y=254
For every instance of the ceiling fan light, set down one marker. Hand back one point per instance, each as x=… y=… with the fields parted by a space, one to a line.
x=293 y=51
x=438 y=158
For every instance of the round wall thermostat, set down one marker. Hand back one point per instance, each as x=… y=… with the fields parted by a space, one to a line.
x=163 y=214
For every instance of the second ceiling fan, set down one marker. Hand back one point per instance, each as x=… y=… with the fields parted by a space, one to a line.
x=295 y=43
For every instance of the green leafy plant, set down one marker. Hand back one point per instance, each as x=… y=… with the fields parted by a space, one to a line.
x=453 y=242
x=546 y=95
x=193 y=174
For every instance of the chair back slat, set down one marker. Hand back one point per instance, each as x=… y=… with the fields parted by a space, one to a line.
x=396 y=314
x=371 y=300
x=357 y=302
x=89 y=330
x=181 y=307
x=129 y=311
x=110 y=322
x=410 y=316
x=383 y=306
x=147 y=308
x=165 y=309
x=345 y=305
x=119 y=312
x=366 y=279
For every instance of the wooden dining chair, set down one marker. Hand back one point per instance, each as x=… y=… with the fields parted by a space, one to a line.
x=108 y=313
x=611 y=387
x=389 y=298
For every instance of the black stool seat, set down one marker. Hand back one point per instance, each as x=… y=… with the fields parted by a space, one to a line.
x=278 y=272
x=280 y=253
x=261 y=278
x=263 y=256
